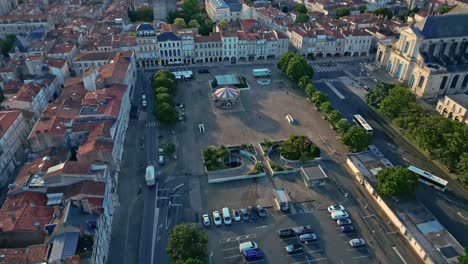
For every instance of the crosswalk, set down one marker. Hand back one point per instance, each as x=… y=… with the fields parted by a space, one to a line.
x=151 y=124
x=327 y=69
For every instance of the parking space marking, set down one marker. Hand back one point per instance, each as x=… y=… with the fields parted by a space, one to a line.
x=263 y=226
x=226 y=249
x=367 y=216
x=256 y=261
x=232 y=239
x=312 y=251
x=293 y=255
x=309 y=260
x=354 y=249
x=234 y=256
x=367 y=256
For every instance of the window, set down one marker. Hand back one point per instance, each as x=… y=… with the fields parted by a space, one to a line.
x=465 y=81
x=411 y=81
x=406 y=47
x=454 y=81
x=421 y=81
x=443 y=83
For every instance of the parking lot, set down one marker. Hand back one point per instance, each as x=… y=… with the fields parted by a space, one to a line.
x=332 y=246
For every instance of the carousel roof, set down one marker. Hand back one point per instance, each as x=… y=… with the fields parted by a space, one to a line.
x=226 y=93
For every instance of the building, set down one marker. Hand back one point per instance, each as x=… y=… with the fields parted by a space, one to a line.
x=208 y=48
x=13 y=133
x=454 y=107
x=170 y=48
x=94 y=60
x=23 y=24
x=223 y=10
x=430 y=57
x=147 y=42
x=6 y=6
x=31 y=97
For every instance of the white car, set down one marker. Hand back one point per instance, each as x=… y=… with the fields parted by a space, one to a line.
x=161 y=151
x=357 y=242
x=161 y=160
x=217 y=218
x=236 y=215
x=143 y=103
x=206 y=220
x=247 y=246
x=337 y=215
x=143 y=97
x=335 y=207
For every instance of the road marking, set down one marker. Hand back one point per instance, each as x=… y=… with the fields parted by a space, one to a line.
x=367 y=216
x=309 y=260
x=367 y=256
x=229 y=239
x=399 y=255
x=312 y=251
x=354 y=249
x=256 y=261
x=235 y=256
x=264 y=226
x=392 y=232
x=293 y=255
x=462 y=216
x=226 y=249
x=341 y=96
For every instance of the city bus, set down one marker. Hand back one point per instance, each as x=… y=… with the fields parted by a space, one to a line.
x=429 y=179
x=359 y=120
x=261 y=72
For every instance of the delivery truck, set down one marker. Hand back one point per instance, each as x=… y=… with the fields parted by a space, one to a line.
x=150 y=176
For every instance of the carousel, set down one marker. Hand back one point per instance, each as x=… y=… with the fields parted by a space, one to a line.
x=226 y=97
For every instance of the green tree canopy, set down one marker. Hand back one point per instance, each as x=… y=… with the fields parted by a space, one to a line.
x=334 y=116
x=463 y=259
x=384 y=12
x=187 y=244
x=7 y=44
x=300 y=8
x=342 y=126
x=356 y=138
x=166 y=113
x=144 y=15
x=169 y=148
x=399 y=101
x=284 y=59
x=303 y=82
x=326 y=107
x=298 y=147
x=318 y=98
x=397 y=182
x=310 y=90
x=164 y=98
x=376 y=95
x=302 y=18
x=341 y=12
x=462 y=168
x=223 y=25
x=160 y=90
x=164 y=82
x=164 y=74
x=444 y=9
x=172 y=15
x=180 y=23
x=193 y=24
x=362 y=8
x=214 y=157
x=206 y=26
x=298 y=67
x=191 y=9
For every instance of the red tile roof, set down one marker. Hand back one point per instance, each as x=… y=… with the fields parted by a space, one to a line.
x=56 y=62
x=26 y=218
x=86 y=188
x=29 y=255
x=69 y=168
x=62 y=48
x=7 y=118
x=213 y=37
x=100 y=144
x=28 y=198
x=27 y=92
x=107 y=100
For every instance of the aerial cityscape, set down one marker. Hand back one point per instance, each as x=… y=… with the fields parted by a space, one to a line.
x=233 y=131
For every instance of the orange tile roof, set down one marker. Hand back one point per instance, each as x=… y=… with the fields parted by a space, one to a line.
x=213 y=37
x=87 y=188
x=18 y=200
x=69 y=168
x=62 y=48
x=56 y=62
x=26 y=218
x=100 y=144
x=107 y=100
x=7 y=118
x=29 y=255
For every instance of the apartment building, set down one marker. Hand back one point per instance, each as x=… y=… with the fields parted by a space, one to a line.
x=31 y=97
x=23 y=24
x=13 y=133
x=430 y=56
x=223 y=10
x=147 y=42
x=454 y=107
x=170 y=48
x=6 y=6
x=208 y=48
x=94 y=60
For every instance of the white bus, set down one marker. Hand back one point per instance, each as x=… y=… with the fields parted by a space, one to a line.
x=429 y=179
x=282 y=199
x=261 y=73
x=359 y=120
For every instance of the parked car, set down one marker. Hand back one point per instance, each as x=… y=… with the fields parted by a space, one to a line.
x=203 y=71
x=339 y=215
x=333 y=208
x=345 y=221
x=217 y=218
x=247 y=246
x=357 y=242
x=245 y=214
x=301 y=230
x=161 y=160
x=160 y=151
x=253 y=212
x=236 y=215
x=296 y=248
x=347 y=228
x=308 y=238
x=206 y=220
x=144 y=103
x=226 y=216
x=284 y=233
x=252 y=254
x=143 y=97
x=261 y=211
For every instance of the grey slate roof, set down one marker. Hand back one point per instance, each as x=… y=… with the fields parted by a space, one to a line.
x=447 y=26
x=165 y=36
x=64 y=246
x=145 y=26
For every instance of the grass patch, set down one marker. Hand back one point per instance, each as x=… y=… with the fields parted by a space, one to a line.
x=248 y=147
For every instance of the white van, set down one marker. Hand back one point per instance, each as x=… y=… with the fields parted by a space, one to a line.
x=290 y=119
x=337 y=215
x=226 y=216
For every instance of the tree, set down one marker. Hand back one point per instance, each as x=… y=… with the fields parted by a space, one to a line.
x=341 y=12
x=299 y=148
x=187 y=244
x=191 y=9
x=223 y=25
x=172 y=15
x=300 y=8
x=318 y=98
x=400 y=100
x=302 y=18
x=284 y=9
x=326 y=107
x=169 y=149
x=397 y=182
x=144 y=15
x=214 y=157
x=342 y=126
x=166 y=113
x=206 y=27
x=356 y=138
x=164 y=98
x=180 y=23
x=284 y=59
x=298 y=67
x=193 y=24
x=334 y=116
x=303 y=82
x=161 y=90
x=165 y=82
x=2 y=96
x=362 y=8
x=462 y=168
x=164 y=74
x=375 y=96
x=7 y=44
x=463 y=259
x=310 y=90
x=444 y=9
x=384 y=12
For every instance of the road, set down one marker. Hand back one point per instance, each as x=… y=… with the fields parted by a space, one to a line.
x=444 y=206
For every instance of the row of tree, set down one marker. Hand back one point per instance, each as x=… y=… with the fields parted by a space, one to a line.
x=164 y=88
x=144 y=15
x=444 y=139
x=187 y=245
x=397 y=182
x=302 y=16
x=191 y=16
x=7 y=43
x=300 y=72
